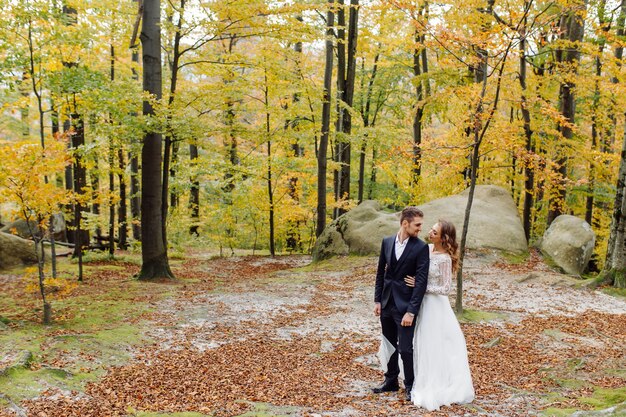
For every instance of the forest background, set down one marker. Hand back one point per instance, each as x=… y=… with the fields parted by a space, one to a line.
x=260 y=121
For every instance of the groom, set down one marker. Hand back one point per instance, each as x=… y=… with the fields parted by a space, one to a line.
x=396 y=303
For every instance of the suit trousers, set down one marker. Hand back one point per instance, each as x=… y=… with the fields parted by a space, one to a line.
x=401 y=337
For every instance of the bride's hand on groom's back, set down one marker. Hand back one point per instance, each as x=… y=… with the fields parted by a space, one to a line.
x=409 y=281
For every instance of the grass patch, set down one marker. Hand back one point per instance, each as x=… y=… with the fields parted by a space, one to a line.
x=477 y=316
x=103 y=256
x=85 y=316
x=289 y=277
x=180 y=414
x=28 y=338
x=601 y=400
x=268 y=410
x=515 y=258
x=339 y=263
x=19 y=383
x=617 y=372
x=605 y=397
x=571 y=383
x=558 y=412
x=615 y=292
x=588 y=282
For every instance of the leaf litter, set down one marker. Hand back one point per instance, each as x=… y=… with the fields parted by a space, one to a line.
x=244 y=330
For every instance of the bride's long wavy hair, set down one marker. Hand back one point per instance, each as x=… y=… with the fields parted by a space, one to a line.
x=449 y=243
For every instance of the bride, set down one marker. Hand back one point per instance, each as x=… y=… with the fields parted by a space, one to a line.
x=442 y=374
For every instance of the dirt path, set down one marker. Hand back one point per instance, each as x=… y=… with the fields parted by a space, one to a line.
x=280 y=337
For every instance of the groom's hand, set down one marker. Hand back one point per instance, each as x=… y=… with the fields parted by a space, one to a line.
x=407 y=319
x=377 y=309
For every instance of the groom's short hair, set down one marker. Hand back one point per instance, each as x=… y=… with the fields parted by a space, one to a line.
x=409 y=213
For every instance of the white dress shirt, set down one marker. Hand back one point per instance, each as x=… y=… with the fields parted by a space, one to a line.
x=400 y=246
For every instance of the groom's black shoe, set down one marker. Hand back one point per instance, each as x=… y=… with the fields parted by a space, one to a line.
x=407 y=392
x=388 y=386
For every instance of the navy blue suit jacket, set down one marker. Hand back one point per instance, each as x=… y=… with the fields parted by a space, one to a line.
x=390 y=276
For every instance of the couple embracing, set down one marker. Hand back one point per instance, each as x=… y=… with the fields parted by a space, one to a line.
x=418 y=324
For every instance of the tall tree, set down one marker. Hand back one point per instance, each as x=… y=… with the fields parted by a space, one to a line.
x=155 y=263
x=529 y=171
x=194 y=192
x=135 y=194
x=571 y=28
x=76 y=127
x=293 y=233
x=615 y=262
x=346 y=76
x=169 y=150
x=419 y=69
x=325 y=133
x=365 y=115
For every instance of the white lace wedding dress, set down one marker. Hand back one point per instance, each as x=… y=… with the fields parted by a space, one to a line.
x=442 y=374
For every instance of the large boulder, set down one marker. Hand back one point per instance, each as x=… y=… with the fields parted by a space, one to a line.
x=494 y=223
x=569 y=242
x=494 y=220
x=16 y=251
x=359 y=231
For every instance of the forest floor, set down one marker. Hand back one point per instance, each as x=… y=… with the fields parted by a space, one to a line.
x=261 y=336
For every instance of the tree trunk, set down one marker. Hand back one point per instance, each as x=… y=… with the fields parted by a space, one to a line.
x=135 y=196
x=594 y=116
x=111 y=192
x=619 y=194
x=480 y=76
x=341 y=86
x=618 y=222
x=370 y=190
x=419 y=108
x=323 y=147
x=365 y=115
x=270 y=191
x=479 y=128
x=39 y=252
x=94 y=180
x=122 y=213
x=571 y=28
x=194 y=193
x=174 y=197
x=25 y=109
x=168 y=166
x=79 y=180
x=346 y=76
x=69 y=177
x=135 y=199
x=615 y=267
x=348 y=98
x=153 y=246
x=529 y=171
x=112 y=171
x=294 y=241
x=81 y=236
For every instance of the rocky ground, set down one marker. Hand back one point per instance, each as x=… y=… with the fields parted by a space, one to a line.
x=261 y=336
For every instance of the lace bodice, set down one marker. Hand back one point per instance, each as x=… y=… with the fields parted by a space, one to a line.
x=439 y=273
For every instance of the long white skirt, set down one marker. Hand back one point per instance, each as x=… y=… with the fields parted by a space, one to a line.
x=442 y=374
